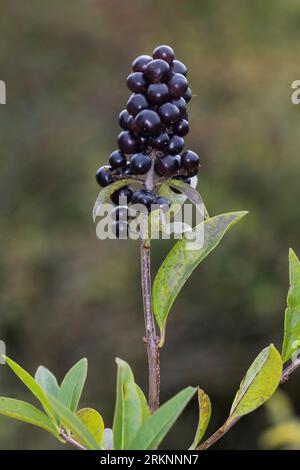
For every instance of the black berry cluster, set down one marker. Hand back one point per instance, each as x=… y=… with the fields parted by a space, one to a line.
x=153 y=125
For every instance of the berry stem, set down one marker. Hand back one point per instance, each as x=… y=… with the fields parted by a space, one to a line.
x=151 y=338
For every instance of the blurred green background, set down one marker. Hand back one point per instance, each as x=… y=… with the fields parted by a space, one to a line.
x=63 y=293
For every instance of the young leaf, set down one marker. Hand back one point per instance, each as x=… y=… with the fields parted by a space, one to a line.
x=157 y=426
x=93 y=422
x=47 y=381
x=72 y=385
x=204 y=417
x=32 y=385
x=23 y=411
x=291 y=342
x=71 y=422
x=180 y=263
x=106 y=192
x=129 y=414
x=259 y=383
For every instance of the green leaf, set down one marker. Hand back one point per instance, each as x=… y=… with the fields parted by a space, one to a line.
x=129 y=414
x=190 y=192
x=204 y=417
x=71 y=422
x=259 y=383
x=72 y=385
x=144 y=405
x=291 y=341
x=93 y=422
x=23 y=411
x=47 y=381
x=157 y=426
x=183 y=261
x=32 y=385
x=106 y=192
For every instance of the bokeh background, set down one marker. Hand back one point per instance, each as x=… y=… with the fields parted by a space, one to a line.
x=63 y=293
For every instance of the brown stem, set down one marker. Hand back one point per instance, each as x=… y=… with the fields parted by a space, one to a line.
x=286 y=373
x=70 y=440
x=151 y=340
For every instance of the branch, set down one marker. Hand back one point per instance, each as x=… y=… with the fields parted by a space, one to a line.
x=69 y=439
x=286 y=373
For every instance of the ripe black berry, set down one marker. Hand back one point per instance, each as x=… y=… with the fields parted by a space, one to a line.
x=123 y=119
x=144 y=143
x=140 y=63
x=127 y=170
x=104 y=176
x=144 y=197
x=157 y=93
x=175 y=145
x=190 y=161
x=157 y=71
x=167 y=165
x=179 y=67
x=120 y=229
x=120 y=213
x=180 y=103
x=117 y=159
x=181 y=127
x=137 y=82
x=162 y=203
x=148 y=122
x=188 y=95
x=169 y=113
x=178 y=85
x=164 y=52
x=122 y=196
x=160 y=141
x=136 y=103
x=128 y=143
x=140 y=163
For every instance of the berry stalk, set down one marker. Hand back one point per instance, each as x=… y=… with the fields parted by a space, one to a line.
x=151 y=339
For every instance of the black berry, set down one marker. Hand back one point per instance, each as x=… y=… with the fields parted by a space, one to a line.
x=164 y=52
x=180 y=103
x=148 y=122
x=144 y=197
x=157 y=71
x=104 y=176
x=140 y=63
x=140 y=163
x=137 y=82
x=167 y=165
x=162 y=203
x=160 y=141
x=181 y=127
x=157 y=93
x=128 y=143
x=144 y=143
x=179 y=67
x=117 y=159
x=122 y=196
x=169 y=113
x=190 y=161
x=127 y=170
x=178 y=85
x=175 y=145
x=123 y=119
x=136 y=103
x=188 y=95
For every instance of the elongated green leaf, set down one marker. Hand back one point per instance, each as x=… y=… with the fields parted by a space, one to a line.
x=71 y=422
x=129 y=412
x=180 y=263
x=47 y=381
x=106 y=192
x=157 y=426
x=204 y=417
x=259 y=383
x=291 y=341
x=32 y=385
x=190 y=192
x=144 y=405
x=22 y=411
x=93 y=422
x=72 y=385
